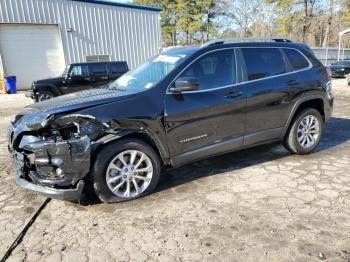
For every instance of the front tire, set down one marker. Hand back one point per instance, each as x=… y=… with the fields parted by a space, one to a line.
x=125 y=170
x=305 y=132
x=44 y=95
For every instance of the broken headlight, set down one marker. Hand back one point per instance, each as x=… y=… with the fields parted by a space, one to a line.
x=76 y=125
x=91 y=130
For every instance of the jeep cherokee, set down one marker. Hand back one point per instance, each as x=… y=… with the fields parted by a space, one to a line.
x=180 y=106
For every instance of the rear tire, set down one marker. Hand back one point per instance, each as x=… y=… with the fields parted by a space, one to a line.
x=129 y=167
x=305 y=132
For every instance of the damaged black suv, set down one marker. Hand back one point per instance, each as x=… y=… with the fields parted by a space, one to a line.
x=182 y=105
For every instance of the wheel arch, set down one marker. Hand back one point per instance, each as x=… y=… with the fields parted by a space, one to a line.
x=313 y=101
x=51 y=88
x=145 y=136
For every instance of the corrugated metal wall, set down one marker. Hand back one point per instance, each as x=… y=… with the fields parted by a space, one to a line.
x=332 y=55
x=124 y=33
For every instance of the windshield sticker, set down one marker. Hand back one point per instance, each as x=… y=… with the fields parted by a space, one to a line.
x=167 y=59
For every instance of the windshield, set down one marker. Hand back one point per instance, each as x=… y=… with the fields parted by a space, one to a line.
x=150 y=73
x=65 y=72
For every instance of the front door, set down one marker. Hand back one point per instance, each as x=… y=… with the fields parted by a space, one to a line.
x=78 y=79
x=209 y=120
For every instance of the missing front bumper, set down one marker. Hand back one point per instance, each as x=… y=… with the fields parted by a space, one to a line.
x=39 y=161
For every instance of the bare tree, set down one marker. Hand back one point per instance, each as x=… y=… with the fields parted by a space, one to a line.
x=308 y=13
x=242 y=13
x=329 y=22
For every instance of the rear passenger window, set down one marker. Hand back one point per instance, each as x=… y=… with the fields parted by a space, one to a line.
x=263 y=62
x=98 y=69
x=216 y=69
x=118 y=68
x=296 y=59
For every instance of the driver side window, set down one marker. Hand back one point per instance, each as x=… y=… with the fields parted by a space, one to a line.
x=79 y=70
x=215 y=69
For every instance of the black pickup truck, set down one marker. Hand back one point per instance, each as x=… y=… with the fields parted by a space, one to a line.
x=77 y=77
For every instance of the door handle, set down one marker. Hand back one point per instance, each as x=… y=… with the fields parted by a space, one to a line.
x=104 y=77
x=87 y=78
x=233 y=94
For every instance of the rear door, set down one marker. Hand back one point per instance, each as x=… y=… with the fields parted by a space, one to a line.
x=209 y=120
x=99 y=74
x=270 y=87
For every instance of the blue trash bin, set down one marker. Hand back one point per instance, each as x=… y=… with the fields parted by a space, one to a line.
x=10 y=83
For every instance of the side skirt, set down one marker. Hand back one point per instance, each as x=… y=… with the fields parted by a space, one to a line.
x=259 y=138
x=207 y=151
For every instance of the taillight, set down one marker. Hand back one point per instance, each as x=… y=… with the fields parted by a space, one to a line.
x=329 y=71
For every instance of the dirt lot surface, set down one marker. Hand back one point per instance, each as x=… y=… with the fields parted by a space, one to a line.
x=261 y=204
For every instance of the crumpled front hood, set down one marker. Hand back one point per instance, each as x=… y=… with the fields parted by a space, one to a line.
x=33 y=117
x=79 y=100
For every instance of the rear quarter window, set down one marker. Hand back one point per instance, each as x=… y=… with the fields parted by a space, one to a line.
x=263 y=62
x=297 y=60
x=117 y=68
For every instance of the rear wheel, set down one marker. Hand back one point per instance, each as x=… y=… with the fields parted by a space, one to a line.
x=125 y=170
x=44 y=95
x=305 y=132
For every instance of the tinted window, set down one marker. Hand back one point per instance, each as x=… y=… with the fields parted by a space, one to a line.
x=79 y=70
x=98 y=69
x=213 y=70
x=263 y=62
x=118 y=68
x=296 y=59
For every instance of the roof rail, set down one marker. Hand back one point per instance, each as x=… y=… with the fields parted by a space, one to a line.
x=164 y=49
x=242 y=39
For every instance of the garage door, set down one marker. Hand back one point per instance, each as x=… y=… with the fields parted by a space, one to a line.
x=31 y=52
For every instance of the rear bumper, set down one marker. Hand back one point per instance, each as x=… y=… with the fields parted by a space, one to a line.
x=329 y=110
x=336 y=74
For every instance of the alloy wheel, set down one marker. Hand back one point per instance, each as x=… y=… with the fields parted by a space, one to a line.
x=129 y=173
x=308 y=131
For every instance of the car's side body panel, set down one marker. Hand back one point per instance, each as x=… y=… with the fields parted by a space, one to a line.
x=183 y=127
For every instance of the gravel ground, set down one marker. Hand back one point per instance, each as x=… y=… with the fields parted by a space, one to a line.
x=261 y=204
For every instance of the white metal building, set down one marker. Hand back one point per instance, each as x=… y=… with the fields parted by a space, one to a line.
x=38 y=38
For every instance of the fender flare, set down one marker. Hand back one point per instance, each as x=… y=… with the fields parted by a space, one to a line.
x=107 y=138
x=52 y=88
x=296 y=107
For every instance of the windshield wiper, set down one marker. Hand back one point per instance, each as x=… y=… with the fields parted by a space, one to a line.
x=116 y=88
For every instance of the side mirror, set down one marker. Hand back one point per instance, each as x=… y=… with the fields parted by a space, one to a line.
x=185 y=84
